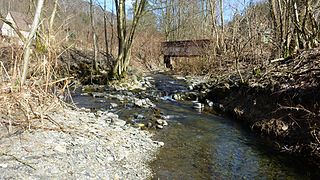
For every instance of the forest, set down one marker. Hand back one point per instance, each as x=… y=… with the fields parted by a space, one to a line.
x=100 y=71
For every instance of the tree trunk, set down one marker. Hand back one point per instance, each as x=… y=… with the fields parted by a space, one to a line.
x=222 y=27
x=27 y=46
x=105 y=26
x=94 y=36
x=125 y=40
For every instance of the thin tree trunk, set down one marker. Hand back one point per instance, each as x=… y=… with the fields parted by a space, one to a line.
x=105 y=26
x=27 y=47
x=112 y=28
x=94 y=36
x=222 y=26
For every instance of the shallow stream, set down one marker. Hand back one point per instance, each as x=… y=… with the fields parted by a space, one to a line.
x=201 y=145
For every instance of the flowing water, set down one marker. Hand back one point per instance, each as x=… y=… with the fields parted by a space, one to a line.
x=201 y=145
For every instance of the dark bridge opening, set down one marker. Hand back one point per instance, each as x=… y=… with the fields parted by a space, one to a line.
x=187 y=48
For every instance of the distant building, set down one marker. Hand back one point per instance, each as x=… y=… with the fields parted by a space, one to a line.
x=19 y=21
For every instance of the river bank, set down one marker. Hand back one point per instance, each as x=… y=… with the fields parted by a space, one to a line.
x=86 y=145
x=279 y=101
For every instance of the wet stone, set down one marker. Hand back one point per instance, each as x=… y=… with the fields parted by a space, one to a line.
x=159 y=126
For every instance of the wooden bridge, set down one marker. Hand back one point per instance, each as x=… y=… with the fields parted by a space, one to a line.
x=187 y=48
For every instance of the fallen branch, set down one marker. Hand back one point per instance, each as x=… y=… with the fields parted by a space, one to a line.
x=307 y=71
x=18 y=160
x=295 y=109
x=276 y=60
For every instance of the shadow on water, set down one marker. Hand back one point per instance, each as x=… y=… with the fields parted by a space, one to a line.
x=201 y=145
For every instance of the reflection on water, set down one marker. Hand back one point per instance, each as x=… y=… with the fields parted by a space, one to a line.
x=204 y=146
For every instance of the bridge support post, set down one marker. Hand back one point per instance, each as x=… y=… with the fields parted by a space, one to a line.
x=167 y=61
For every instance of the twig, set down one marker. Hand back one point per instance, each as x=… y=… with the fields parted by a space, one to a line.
x=5 y=70
x=276 y=60
x=315 y=135
x=63 y=79
x=307 y=71
x=18 y=160
x=296 y=109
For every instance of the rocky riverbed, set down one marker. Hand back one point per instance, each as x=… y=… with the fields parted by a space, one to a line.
x=87 y=145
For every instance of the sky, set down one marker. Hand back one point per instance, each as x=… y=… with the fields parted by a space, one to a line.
x=230 y=6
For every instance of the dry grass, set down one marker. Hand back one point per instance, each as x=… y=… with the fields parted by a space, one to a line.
x=28 y=106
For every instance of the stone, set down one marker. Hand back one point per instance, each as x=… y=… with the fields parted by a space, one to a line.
x=98 y=95
x=87 y=151
x=159 y=143
x=159 y=126
x=143 y=103
x=112 y=115
x=140 y=125
x=3 y=165
x=138 y=116
x=210 y=103
x=165 y=123
x=85 y=109
x=162 y=122
x=118 y=122
x=198 y=105
x=159 y=121
x=284 y=127
x=176 y=97
x=149 y=125
x=101 y=101
x=60 y=148
x=113 y=105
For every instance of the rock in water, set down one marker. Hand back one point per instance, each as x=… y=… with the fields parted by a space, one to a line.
x=98 y=95
x=165 y=123
x=162 y=122
x=159 y=126
x=198 y=105
x=176 y=97
x=113 y=105
x=143 y=103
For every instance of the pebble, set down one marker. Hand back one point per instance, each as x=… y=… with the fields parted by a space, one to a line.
x=113 y=105
x=198 y=105
x=98 y=95
x=159 y=143
x=162 y=122
x=159 y=126
x=91 y=149
x=3 y=165
x=176 y=97
x=60 y=148
x=139 y=116
x=118 y=122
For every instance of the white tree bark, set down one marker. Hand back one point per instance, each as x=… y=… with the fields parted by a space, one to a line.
x=27 y=46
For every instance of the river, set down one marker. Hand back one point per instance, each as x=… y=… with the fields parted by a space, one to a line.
x=201 y=145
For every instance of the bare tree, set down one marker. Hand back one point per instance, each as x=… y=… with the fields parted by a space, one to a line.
x=94 y=36
x=105 y=26
x=125 y=39
x=27 y=46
